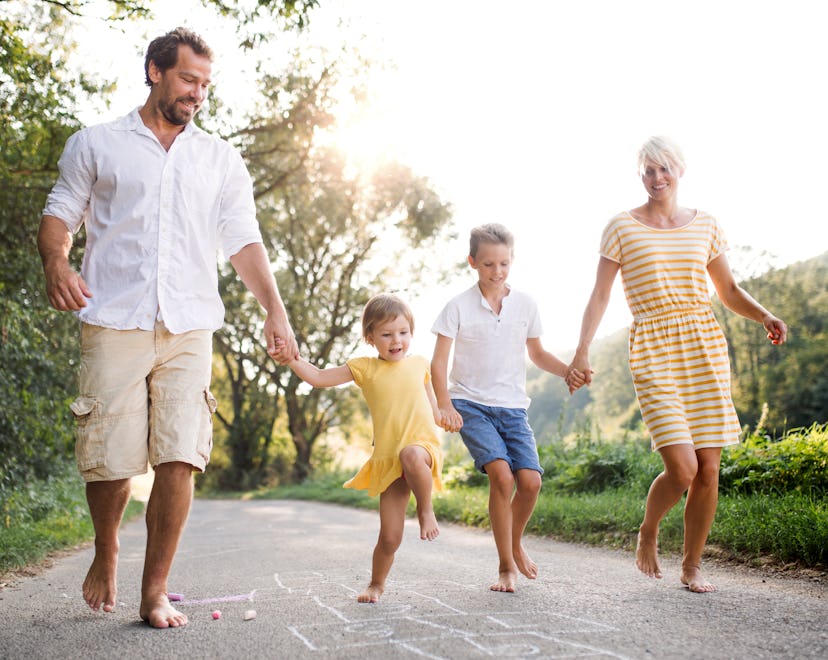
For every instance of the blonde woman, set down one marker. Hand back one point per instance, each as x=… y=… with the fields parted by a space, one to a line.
x=678 y=353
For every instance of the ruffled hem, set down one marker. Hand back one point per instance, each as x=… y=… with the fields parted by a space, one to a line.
x=379 y=473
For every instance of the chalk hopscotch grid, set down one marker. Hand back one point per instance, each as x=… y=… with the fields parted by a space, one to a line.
x=535 y=633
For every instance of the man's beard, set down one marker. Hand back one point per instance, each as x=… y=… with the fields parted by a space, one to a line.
x=175 y=115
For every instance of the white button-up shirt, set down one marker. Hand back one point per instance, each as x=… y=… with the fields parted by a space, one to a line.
x=489 y=364
x=154 y=220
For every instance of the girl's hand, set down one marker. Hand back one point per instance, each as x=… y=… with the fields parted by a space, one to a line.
x=280 y=352
x=450 y=420
x=777 y=330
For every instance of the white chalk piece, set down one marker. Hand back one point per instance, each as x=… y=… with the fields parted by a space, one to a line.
x=250 y=614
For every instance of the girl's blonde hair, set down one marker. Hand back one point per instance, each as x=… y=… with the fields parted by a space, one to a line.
x=384 y=307
x=662 y=151
x=490 y=233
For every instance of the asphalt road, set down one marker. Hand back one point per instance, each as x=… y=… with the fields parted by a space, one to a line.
x=300 y=565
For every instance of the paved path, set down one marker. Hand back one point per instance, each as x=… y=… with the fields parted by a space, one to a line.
x=300 y=565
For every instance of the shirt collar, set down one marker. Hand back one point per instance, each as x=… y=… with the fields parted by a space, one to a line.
x=133 y=122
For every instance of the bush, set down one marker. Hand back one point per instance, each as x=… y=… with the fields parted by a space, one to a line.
x=798 y=462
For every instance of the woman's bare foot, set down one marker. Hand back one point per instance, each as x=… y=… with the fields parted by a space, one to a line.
x=506 y=580
x=692 y=577
x=157 y=612
x=524 y=563
x=371 y=594
x=100 y=586
x=429 y=530
x=646 y=555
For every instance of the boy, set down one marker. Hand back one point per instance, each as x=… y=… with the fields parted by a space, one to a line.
x=492 y=326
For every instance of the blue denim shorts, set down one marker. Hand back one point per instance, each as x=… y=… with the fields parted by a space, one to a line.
x=491 y=433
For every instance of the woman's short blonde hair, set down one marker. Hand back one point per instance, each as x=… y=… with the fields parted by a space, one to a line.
x=384 y=307
x=662 y=151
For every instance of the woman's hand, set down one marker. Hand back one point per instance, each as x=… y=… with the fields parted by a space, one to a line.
x=777 y=330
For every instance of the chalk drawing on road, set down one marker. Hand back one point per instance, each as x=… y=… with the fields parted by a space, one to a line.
x=425 y=625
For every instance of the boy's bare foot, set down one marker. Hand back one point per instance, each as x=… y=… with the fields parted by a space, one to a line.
x=505 y=581
x=525 y=564
x=429 y=530
x=691 y=576
x=100 y=587
x=157 y=612
x=371 y=594
x=646 y=555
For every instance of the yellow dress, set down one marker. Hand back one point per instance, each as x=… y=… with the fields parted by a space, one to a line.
x=678 y=352
x=401 y=415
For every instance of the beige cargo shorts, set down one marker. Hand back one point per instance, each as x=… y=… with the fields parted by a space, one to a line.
x=144 y=399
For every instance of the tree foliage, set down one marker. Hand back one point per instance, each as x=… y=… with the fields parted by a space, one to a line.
x=336 y=236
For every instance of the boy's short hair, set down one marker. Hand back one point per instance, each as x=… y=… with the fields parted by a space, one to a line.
x=662 y=151
x=381 y=308
x=163 y=51
x=490 y=233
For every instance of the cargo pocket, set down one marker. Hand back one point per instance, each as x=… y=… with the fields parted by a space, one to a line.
x=90 y=449
x=205 y=438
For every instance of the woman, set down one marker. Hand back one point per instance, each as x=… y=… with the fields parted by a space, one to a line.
x=678 y=353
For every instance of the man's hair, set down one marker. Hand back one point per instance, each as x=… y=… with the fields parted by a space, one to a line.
x=163 y=51
x=490 y=233
x=381 y=308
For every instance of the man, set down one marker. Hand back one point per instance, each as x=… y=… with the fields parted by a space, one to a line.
x=158 y=196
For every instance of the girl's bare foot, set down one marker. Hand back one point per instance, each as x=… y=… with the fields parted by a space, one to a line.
x=646 y=555
x=99 y=587
x=157 y=612
x=505 y=581
x=691 y=576
x=429 y=530
x=524 y=563
x=371 y=594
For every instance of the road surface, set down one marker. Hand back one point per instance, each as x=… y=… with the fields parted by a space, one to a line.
x=299 y=565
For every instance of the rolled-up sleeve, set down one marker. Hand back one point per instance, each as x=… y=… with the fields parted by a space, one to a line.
x=237 y=224
x=69 y=198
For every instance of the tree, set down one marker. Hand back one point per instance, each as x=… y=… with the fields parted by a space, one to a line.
x=336 y=237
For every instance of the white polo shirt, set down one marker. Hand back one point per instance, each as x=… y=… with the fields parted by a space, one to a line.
x=489 y=365
x=154 y=220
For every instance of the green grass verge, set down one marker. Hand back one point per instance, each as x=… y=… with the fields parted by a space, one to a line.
x=48 y=516
x=790 y=527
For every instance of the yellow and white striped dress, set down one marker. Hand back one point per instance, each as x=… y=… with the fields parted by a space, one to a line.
x=678 y=352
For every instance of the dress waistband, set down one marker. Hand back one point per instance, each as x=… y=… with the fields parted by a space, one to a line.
x=678 y=311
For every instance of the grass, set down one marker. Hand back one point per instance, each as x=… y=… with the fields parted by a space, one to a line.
x=47 y=516
x=773 y=503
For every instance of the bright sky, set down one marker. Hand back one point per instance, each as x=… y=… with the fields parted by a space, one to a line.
x=531 y=114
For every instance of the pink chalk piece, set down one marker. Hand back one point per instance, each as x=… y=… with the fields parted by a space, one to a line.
x=216 y=615
x=175 y=597
x=250 y=614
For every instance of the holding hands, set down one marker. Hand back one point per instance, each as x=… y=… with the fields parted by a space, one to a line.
x=578 y=373
x=449 y=419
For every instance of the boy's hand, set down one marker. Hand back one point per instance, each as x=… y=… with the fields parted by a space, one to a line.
x=450 y=420
x=575 y=379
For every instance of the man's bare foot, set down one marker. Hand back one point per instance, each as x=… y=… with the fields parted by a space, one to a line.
x=157 y=612
x=646 y=556
x=505 y=581
x=691 y=576
x=524 y=563
x=371 y=594
x=429 y=530
x=100 y=587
